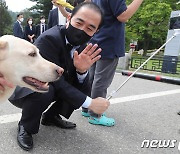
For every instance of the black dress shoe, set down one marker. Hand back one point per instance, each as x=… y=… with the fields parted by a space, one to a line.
x=24 y=139
x=57 y=121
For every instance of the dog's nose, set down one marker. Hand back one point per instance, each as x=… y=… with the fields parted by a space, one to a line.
x=59 y=71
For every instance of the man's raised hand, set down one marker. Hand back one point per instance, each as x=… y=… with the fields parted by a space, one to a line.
x=86 y=58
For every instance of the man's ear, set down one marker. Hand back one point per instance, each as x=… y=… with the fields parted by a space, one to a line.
x=97 y=30
x=68 y=20
x=68 y=17
x=3 y=49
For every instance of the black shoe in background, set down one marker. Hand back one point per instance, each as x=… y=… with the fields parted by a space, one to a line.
x=24 y=139
x=57 y=121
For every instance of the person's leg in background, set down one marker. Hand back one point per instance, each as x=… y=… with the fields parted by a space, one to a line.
x=101 y=76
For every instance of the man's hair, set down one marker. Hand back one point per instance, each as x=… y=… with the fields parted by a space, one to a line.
x=76 y=2
x=42 y=17
x=19 y=14
x=92 y=6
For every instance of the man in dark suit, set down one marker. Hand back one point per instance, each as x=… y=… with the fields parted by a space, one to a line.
x=53 y=18
x=59 y=45
x=17 y=28
x=42 y=27
x=56 y=17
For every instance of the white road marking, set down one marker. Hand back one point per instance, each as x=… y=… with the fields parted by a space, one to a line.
x=143 y=96
x=10 y=118
x=16 y=117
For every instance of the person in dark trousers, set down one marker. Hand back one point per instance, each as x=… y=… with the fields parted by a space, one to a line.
x=30 y=31
x=53 y=18
x=60 y=45
x=111 y=38
x=42 y=27
x=18 y=30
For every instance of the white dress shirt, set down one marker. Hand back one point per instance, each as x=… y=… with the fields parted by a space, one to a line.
x=81 y=78
x=61 y=18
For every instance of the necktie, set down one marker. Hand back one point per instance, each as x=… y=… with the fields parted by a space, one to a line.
x=21 y=27
x=43 y=29
x=69 y=63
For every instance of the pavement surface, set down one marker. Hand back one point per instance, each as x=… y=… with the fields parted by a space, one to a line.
x=143 y=110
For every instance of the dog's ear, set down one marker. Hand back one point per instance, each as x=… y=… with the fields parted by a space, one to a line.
x=3 y=49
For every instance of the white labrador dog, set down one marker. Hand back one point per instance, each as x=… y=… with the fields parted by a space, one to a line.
x=21 y=64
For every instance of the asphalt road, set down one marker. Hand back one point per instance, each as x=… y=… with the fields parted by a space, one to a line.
x=143 y=110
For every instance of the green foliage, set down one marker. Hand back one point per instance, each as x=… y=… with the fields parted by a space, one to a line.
x=5 y=18
x=149 y=25
x=41 y=8
x=13 y=15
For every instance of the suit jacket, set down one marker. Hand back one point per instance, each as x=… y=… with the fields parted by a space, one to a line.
x=28 y=31
x=52 y=46
x=53 y=18
x=17 y=30
x=38 y=29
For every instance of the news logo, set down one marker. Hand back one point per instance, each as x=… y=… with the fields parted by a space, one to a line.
x=160 y=144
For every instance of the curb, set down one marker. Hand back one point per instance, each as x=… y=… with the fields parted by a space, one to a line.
x=165 y=79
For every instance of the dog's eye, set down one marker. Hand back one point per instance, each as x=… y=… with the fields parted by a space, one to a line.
x=32 y=54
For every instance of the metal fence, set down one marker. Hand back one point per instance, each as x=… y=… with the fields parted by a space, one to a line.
x=156 y=64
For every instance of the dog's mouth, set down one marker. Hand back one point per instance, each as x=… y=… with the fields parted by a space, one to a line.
x=38 y=85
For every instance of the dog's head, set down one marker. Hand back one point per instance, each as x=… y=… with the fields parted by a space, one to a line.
x=21 y=64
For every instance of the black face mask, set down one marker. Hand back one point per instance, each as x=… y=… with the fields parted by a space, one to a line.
x=76 y=36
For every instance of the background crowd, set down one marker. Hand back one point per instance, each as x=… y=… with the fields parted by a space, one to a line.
x=32 y=31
